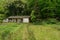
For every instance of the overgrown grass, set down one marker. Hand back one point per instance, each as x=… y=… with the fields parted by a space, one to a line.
x=45 y=32
x=14 y=31
x=6 y=29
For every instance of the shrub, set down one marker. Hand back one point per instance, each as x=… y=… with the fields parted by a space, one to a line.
x=2 y=16
x=0 y=21
x=38 y=22
x=51 y=21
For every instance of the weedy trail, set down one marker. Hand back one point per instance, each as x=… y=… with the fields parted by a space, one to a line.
x=31 y=33
x=25 y=33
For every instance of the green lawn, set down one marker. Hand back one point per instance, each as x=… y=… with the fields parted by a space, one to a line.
x=14 y=31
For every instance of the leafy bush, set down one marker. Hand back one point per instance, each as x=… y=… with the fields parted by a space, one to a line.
x=0 y=21
x=33 y=17
x=38 y=22
x=52 y=21
x=2 y=16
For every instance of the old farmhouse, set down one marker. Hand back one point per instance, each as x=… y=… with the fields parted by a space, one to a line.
x=18 y=19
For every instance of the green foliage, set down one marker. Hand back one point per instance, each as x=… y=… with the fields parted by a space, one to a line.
x=15 y=8
x=2 y=16
x=29 y=32
x=33 y=17
x=42 y=9
x=52 y=21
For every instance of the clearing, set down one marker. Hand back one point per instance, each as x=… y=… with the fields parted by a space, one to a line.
x=14 y=31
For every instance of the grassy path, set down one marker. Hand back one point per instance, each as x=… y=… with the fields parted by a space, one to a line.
x=25 y=33
x=30 y=32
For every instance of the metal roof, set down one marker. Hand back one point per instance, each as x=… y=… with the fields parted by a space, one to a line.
x=19 y=17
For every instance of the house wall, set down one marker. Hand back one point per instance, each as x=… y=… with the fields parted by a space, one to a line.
x=10 y=20
x=5 y=20
x=13 y=20
x=19 y=20
x=25 y=20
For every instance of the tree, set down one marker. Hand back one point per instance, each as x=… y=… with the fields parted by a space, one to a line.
x=15 y=8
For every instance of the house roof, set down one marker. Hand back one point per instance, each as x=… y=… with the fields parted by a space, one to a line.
x=19 y=17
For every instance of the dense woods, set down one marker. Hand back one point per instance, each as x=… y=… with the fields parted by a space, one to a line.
x=39 y=10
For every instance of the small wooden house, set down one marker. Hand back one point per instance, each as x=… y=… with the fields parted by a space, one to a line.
x=18 y=19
